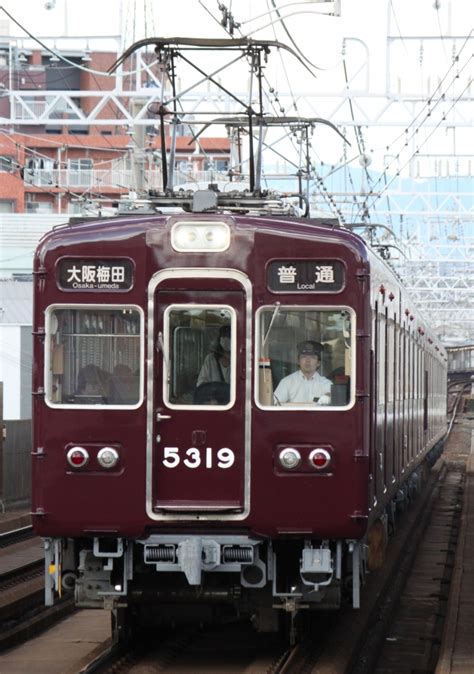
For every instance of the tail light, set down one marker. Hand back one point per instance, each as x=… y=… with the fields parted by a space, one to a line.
x=77 y=457
x=289 y=458
x=319 y=459
x=108 y=457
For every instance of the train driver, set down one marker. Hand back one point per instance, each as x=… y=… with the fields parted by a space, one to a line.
x=305 y=385
x=216 y=366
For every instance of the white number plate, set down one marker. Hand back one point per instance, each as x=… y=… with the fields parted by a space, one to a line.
x=193 y=457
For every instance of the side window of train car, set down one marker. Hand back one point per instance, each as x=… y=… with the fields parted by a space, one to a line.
x=305 y=357
x=94 y=356
x=200 y=356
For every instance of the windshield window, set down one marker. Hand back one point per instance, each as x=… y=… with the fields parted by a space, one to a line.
x=199 y=355
x=93 y=356
x=305 y=357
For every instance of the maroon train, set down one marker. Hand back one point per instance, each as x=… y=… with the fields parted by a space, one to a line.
x=167 y=498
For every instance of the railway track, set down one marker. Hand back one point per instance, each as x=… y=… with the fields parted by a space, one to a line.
x=20 y=560
x=8 y=538
x=411 y=639
x=408 y=630
x=234 y=647
x=22 y=610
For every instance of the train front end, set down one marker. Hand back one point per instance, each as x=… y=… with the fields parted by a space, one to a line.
x=176 y=471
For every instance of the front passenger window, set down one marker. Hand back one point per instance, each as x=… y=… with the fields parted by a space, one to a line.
x=201 y=358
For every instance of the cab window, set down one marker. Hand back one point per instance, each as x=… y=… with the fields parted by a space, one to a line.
x=305 y=357
x=199 y=356
x=94 y=356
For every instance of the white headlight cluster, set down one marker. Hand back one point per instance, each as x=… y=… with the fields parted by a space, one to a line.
x=289 y=458
x=107 y=457
x=200 y=236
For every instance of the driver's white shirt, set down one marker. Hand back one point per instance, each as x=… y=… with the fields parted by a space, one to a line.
x=296 y=388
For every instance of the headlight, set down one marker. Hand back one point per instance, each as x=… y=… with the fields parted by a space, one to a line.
x=107 y=457
x=289 y=458
x=200 y=236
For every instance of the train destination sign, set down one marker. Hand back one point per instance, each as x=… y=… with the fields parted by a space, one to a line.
x=305 y=276
x=107 y=274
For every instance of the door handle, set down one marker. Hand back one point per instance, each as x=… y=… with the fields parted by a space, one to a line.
x=162 y=417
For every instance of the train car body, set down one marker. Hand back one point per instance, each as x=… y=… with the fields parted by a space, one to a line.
x=153 y=491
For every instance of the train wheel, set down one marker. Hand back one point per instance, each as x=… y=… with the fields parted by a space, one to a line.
x=377 y=540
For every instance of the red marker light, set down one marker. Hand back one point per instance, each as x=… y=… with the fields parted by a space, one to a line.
x=77 y=457
x=320 y=459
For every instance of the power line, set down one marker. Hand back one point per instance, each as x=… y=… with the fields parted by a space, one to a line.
x=376 y=197
x=60 y=56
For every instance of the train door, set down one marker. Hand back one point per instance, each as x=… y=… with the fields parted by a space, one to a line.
x=198 y=458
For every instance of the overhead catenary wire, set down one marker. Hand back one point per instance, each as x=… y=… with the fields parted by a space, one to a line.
x=58 y=55
x=429 y=108
x=426 y=108
x=325 y=193
x=377 y=196
x=293 y=42
x=437 y=97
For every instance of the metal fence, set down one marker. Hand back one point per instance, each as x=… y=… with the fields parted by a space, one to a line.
x=15 y=487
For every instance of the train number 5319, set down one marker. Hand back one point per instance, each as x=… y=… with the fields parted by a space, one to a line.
x=193 y=457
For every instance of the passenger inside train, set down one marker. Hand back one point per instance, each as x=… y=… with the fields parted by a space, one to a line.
x=92 y=383
x=94 y=356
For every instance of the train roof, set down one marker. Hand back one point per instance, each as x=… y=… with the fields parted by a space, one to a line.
x=134 y=224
